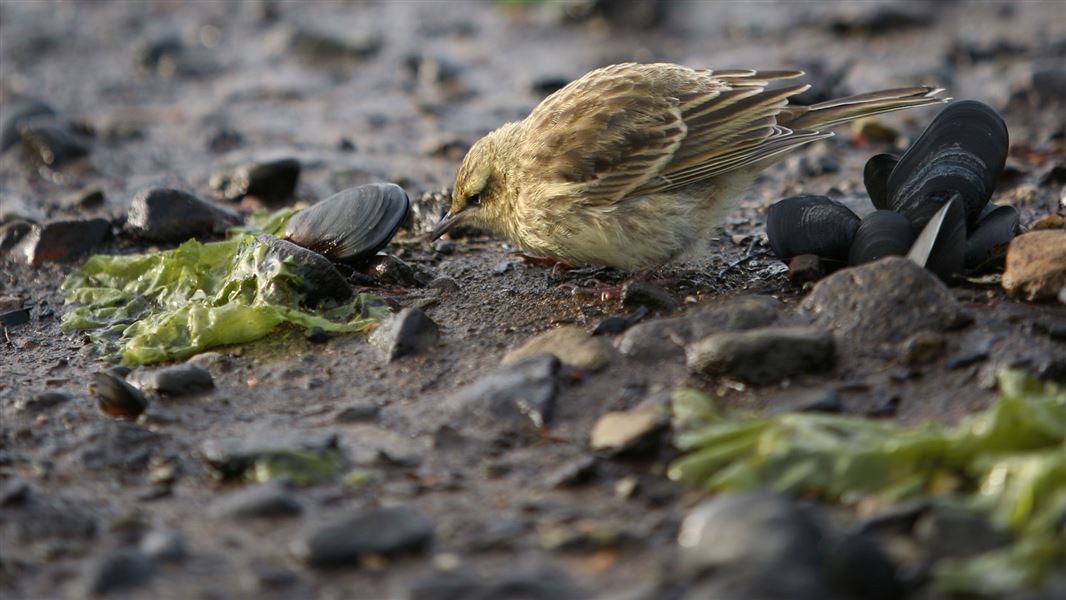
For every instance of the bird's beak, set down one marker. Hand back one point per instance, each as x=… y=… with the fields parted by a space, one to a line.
x=450 y=220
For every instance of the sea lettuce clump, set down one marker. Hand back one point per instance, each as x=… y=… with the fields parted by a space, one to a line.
x=172 y=304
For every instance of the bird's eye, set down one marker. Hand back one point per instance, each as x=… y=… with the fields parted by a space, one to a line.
x=474 y=200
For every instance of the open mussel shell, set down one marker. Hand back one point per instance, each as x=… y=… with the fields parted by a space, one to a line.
x=875 y=177
x=882 y=233
x=811 y=225
x=961 y=153
x=987 y=246
x=352 y=225
x=941 y=245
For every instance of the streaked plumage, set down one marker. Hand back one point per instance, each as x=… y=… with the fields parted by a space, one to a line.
x=632 y=165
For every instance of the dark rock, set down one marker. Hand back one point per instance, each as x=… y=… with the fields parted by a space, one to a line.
x=628 y=432
x=382 y=531
x=516 y=393
x=179 y=380
x=157 y=46
x=922 y=348
x=13 y=492
x=116 y=398
x=315 y=277
x=618 y=324
x=164 y=544
x=272 y=182
x=883 y=302
x=805 y=268
x=42 y=401
x=572 y=473
x=17 y=112
x=268 y=576
x=358 y=413
x=444 y=246
x=630 y=14
x=570 y=344
x=858 y=566
x=459 y=585
x=739 y=531
x=408 y=332
x=85 y=200
x=1049 y=86
x=12 y=318
x=233 y=456
x=169 y=215
x=637 y=293
x=51 y=142
x=882 y=19
x=545 y=86
x=118 y=571
x=317 y=335
x=268 y=500
x=60 y=241
x=760 y=582
x=319 y=45
x=1054 y=175
x=390 y=270
x=224 y=139
x=825 y=400
x=1036 y=266
x=11 y=232
x=763 y=355
x=885 y=405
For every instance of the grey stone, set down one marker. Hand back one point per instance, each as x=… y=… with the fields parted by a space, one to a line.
x=542 y=584
x=517 y=393
x=383 y=531
x=883 y=302
x=408 y=332
x=42 y=401
x=232 y=456
x=170 y=215
x=748 y=529
x=178 y=380
x=118 y=571
x=59 y=241
x=315 y=277
x=763 y=355
x=637 y=293
x=661 y=339
x=272 y=181
x=164 y=544
x=262 y=501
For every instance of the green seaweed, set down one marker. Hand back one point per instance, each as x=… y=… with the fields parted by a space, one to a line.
x=301 y=467
x=172 y=304
x=1007 y=462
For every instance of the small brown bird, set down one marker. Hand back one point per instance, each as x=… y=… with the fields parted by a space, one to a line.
x=634 y=165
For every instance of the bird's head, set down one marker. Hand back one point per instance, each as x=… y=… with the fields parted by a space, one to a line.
x=479 y=186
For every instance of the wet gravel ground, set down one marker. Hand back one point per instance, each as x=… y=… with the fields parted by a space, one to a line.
x=174 y=93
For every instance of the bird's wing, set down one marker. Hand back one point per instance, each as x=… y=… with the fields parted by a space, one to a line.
x=645 y=128
x=603 y=136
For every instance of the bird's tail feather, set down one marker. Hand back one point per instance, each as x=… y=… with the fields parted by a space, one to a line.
x=834 y=112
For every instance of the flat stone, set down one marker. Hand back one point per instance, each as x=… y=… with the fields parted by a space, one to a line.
x=60 y=241
x=119 y=571
x=42 y=401
x=570 y=344
x=381 y=531
x=170 y=215
x=742 y=530
x=268 y=500
x=883 y=302
x=763 y=355
x=626 y=430
x=1036 y=265
x=178 y=380
x=522 y=392
x=409 y=331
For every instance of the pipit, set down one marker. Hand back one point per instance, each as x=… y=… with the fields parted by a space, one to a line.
x=634 y=165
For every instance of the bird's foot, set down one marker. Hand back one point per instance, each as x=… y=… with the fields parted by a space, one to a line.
x=541 y=261
x=603 y=291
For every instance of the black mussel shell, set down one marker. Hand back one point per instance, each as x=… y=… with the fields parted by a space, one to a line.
x=941 y=245
x=882 y=233
x=986 y=247
x=116 y=397
x=962 y=153
x=875 y=177
x=811 y=225
x=352 y=225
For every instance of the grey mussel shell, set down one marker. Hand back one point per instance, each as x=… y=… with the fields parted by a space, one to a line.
x=351 y=225
x=986 y=247
x=941 y=245
x=882 y=233
x=316 y=278
x=875 y=177
x=811 y=225
x=961 y=153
